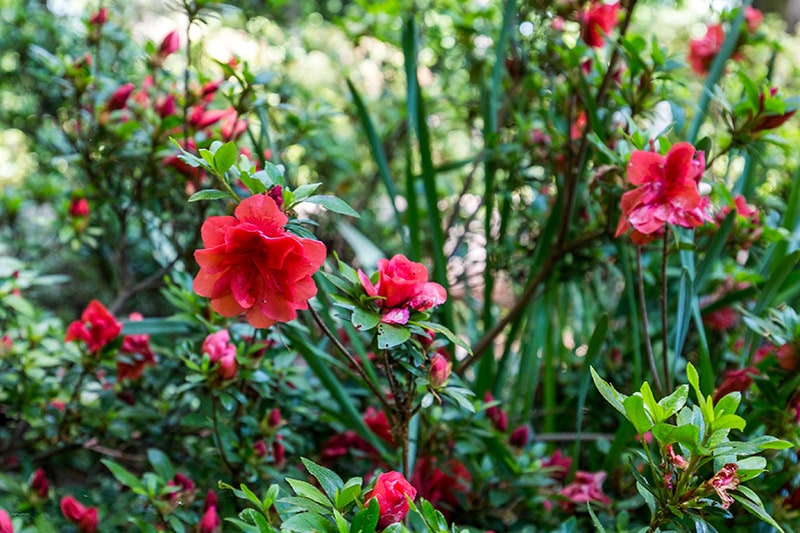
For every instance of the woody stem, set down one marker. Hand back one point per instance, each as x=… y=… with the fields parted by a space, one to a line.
x=645 y=325
x=664 y=351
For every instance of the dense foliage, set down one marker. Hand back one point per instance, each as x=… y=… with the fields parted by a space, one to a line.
x=380 y=266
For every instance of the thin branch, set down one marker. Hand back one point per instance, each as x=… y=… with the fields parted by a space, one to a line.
x=665 y=352
x=645 y=325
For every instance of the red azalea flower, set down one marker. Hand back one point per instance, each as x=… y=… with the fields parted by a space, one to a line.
x=40 y=484
x=252 y=265
x=136 y=354
x=79 y=207
x=100 y=17
x=169 y=44
x=702 y=51
x=220 y=350
x=378 y=423
x=667 y=191
x=403 y=284
x=735 y=381
x=83 y=517
x=442 y=486
x=498 y=417
x=753 y=17
x=97 y=327
x=391 y=489
x=5 y=522
x=558 y=465
x=597 y=21
x=587 y=487
x=119 y=98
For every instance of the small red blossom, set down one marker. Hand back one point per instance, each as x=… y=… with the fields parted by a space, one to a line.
x=675 y=459
x=558 y=465
x=444 y=485
x=667 y=191
x=97 y=327
x=83 y=517
x=498 y=416
x=119 y=98
x=185 y=488
x=5 y=522
x=99 y=17
x=753 y=17
x=723 y=481
x=520 y=437
x=586 y=487
x=439 y=372
x=39 y=483
x=735 y=381
x=165 y=106
x=378 y=423
x=597 y=22
x=252 y=265
x=220 y=350
x=169 y=44
x=274 y=418
x=260 y=448
x=78 y=207
x=210 y=523
x=135 y=354
x=391 y=490
x=278 y=451
x=201 y=118
x=702 y=51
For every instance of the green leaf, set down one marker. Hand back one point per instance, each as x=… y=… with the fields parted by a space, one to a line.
x=348 y=493
x=250 y=495
x=364 y=320
x=608 y=392
x=305 y=522
x=304 y=191
x=366 y=520
x=123 y=476
x=161 y=464
x=452 y=337
x=688 y=435
x=597 y=525
x=307 y=490
x=635 y=412
x=253 y=184
x=728 y=422
x=756 y=510
x=332 y=203
x=251 y=516
x=225 y=157
x=390 y=336
x=674 y=402
x=330 y=482
x=728 y=404
x=208 y=194
x=306 y=504
x=656 y=411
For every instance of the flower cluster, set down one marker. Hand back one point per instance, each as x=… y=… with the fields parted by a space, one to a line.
x=97 y=327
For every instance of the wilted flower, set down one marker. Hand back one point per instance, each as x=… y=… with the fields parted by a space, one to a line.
x=597 y=21
x=667 y=192
x=391 y=490
x=402 y=285
x=723 y=481
x=586 y=487
x=97 y=327
x=252 y=265
x=702 y=51
x=83 y=517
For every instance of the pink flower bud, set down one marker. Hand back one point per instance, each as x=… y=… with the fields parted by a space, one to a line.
x=166 y=106
x=5 y=523
x=276 y=193
x=39 y=483
x=439 y=372
x=278 y=451
x=79 y=207
x=274 y=419
x=260 y=448
x=520 y=437
x=100 y=17
x=210 y=522
x=119 y=99
x=391 y=490
x=83 y=517
x=169 y=45
x=498 y=417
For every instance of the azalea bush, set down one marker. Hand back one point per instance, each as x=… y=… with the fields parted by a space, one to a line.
x=392 y=277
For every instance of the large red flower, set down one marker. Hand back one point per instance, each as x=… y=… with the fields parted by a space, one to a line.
x=667 y=192
x=391 y=489
x=702 y=51
x=97 y=327
x=597 y=22
x=252 y=265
